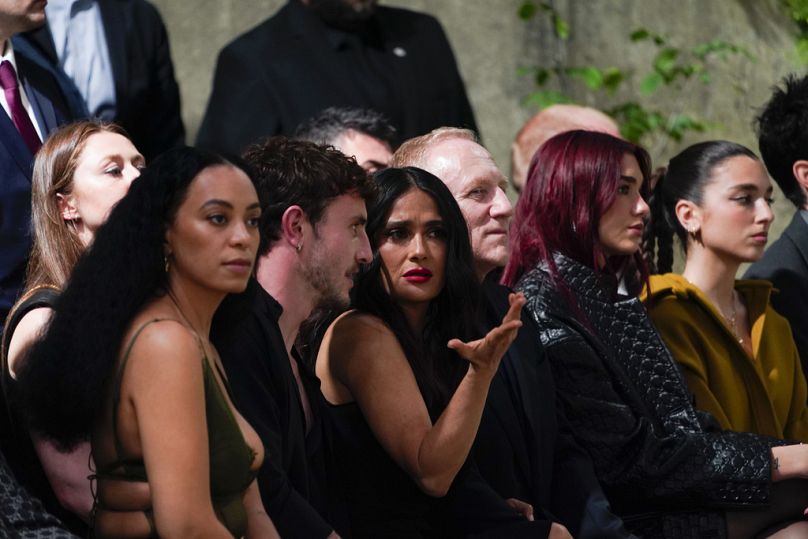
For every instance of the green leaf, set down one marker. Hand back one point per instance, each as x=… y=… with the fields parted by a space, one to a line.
x=527 y=10
x=665 y=60
x=523 y=71
x=544 y=98
x=612 y=77
x=802 y=49
x=591 y=76
x=639 y=34
x=650 y=83
x=562 y=29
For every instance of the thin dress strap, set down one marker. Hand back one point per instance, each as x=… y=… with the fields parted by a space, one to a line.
x=116 y=386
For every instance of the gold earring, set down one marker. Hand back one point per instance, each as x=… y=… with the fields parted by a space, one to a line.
x=166 y=262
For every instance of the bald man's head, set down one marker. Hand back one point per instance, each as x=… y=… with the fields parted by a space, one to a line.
x=548 y=123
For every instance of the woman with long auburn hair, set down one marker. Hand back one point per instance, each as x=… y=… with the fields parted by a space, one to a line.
x=80 y=172
x=668 y=469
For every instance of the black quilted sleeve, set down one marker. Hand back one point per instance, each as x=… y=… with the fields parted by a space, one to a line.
x=637 y=457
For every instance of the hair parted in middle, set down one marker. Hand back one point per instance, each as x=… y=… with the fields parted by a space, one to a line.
x=64 y=376
x=55 y=247
x=572 y=181
x=450 y=315
x=292 y=172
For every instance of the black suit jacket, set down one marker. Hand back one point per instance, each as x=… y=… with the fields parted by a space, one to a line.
x=294 y=477
x=523 y=447
x=292 y=66
x=146 y=92
x=51 y=109
x=785 y=264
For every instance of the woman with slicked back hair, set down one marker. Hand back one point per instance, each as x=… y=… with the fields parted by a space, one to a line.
x=81 y=171
x=126 y=361
x=666 y=468
x=737 y=354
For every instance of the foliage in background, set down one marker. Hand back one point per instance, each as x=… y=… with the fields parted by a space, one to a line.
x=798 y=11
x=672 y=66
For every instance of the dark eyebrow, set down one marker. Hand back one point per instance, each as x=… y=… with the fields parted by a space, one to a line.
x=217 y=202
x=226 y=204
x=629 y=179
x=749 y=187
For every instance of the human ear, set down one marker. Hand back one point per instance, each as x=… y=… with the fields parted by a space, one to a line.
x=689 y=215
x=293 y=221
x=800 y=170
x=67 y=209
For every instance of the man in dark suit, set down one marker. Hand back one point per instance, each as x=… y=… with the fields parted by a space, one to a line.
x=783 y=141
x=34 y=104
x=313 y=54
x=145 y=98
x=312 y=232
x=523 y=449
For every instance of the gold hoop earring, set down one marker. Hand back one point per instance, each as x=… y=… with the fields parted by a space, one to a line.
x=167 y=263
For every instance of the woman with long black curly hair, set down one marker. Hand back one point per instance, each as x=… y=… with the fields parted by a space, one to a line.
x=127 y=363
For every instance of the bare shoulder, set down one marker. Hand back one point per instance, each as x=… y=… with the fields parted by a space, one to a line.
x=28 y=330
x=161 y=348
x=362 y=346
x=356 y=324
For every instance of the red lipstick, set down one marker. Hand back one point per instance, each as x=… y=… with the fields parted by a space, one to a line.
x=418 y=275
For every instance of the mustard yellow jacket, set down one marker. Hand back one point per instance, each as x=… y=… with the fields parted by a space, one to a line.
x=765 y=394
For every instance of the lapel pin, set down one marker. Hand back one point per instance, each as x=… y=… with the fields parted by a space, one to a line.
x=398 y=51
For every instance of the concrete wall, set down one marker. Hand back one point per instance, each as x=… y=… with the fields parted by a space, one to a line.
x=491 y=43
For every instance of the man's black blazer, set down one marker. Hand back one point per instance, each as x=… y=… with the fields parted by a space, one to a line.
x=51 y=109
x=785 y=264
x=289 y=68
x=146 y=92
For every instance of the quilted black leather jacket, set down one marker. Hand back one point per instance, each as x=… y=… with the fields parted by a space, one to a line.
x=666 y=470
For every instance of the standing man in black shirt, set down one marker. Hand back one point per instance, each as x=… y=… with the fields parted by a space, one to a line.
x=314 y=54
x=312 y=243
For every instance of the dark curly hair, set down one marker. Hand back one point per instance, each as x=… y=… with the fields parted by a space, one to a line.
x=63 y=379
x=782 y=129
x=453 y=314
x=297 y=172
x=683 y=179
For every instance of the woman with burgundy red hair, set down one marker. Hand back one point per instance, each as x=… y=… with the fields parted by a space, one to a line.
x=667 y=469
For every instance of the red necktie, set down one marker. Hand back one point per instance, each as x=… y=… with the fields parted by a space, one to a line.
x=8 y=81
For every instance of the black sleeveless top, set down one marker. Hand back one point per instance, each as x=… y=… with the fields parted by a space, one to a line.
x=15 y=440
x=383 y=501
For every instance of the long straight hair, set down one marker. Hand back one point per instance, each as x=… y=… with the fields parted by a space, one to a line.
x=572 y=182
x=55 y=246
